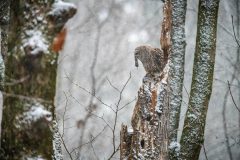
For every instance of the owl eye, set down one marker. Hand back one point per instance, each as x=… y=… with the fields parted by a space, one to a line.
x=136 y=52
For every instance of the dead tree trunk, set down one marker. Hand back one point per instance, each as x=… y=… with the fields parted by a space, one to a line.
x=193 y=132
x=31 y=77
x=149 y=137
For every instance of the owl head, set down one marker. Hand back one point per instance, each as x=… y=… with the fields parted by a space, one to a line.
x=140 y=52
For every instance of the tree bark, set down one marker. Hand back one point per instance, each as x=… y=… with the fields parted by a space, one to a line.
x=176 y=72
x=149 y=137
x=31 y=77
x=4 y=20
x=193 y=132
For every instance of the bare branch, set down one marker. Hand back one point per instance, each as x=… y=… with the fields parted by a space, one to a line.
x=235 y=33
x=90 y=93
x=64 y=113
x=113 y=86
x=103 y=120
x=64 y=144
x=204 y=150
x=66 y=148
x=232 y=97
x=92 y=140
x=127 y=104
x=114 y=152
x=116 y=113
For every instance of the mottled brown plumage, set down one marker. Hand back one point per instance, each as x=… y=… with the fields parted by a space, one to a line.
x=151 y=58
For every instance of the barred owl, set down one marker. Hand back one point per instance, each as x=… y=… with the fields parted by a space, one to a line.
x=151 y=58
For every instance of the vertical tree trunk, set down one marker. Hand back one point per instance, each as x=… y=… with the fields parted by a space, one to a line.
x=194 y=124
x=149 y=137
x=4 y=20
x=176 y=72
x=31 y=78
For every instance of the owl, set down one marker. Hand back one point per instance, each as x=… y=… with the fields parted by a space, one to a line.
x=151 y=58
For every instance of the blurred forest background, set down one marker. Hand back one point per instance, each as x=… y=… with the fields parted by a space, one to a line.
x=99 y=48
x=98 y=58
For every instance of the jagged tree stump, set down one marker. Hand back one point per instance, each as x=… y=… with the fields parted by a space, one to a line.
x=148 y=138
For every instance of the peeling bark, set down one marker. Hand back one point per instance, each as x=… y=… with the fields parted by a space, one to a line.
x=149 y=138
x=126 y=140
x=194 y=123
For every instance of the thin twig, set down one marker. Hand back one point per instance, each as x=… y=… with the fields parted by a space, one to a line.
x=116 y=116
x=64 y=145
x=64 y=113
x=235 y=33
x=204 y=150
x=90 y=93
x=127 y=104
x=113 y=85
x=186 y=91
x=114 y=152
x=232 y=97
x=102 y=120
x=94 y=151
x=93 y=139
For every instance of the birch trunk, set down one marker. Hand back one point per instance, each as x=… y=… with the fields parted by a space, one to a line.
x=193 y=132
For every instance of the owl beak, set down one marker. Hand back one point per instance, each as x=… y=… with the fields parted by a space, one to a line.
x=136 y=62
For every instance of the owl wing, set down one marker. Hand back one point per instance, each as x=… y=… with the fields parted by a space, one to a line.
x=157 y=59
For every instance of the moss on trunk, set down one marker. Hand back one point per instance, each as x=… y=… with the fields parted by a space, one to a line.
x=193 y=132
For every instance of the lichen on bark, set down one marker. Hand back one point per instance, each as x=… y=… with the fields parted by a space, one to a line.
x=30 y=84
x=193 y=132
x=176 y=70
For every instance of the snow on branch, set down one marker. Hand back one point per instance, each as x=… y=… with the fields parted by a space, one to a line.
x=60 y=13
x=59 y=6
